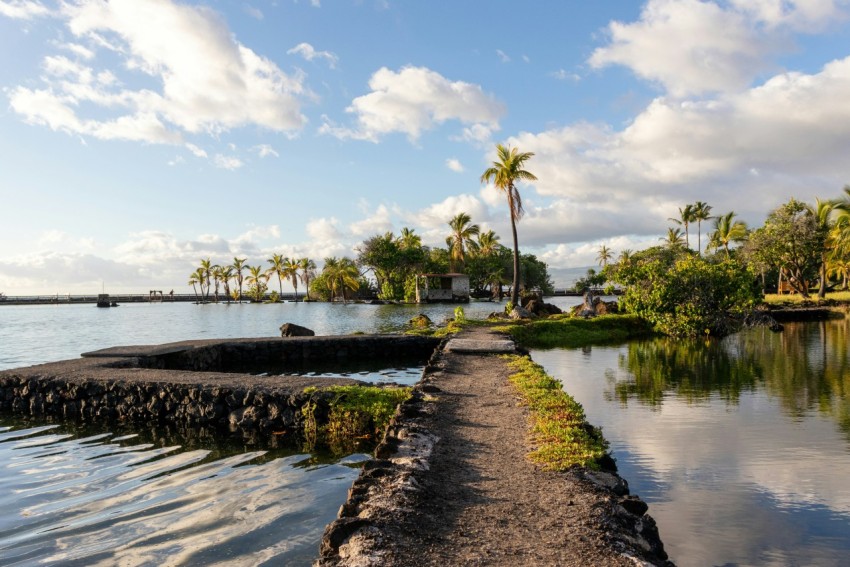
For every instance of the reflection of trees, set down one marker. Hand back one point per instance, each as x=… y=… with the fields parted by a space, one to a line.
x=807 y=367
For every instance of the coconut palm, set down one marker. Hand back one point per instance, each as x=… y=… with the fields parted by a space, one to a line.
x=686 y=217
x=726 y=231
x=290 y=270
x=824 y=212
x=505 y=173
x=257 y=277
x=604 y=256
x=278 y=267
x=702 y=211
x=462 y=232
x=226 y=275
x=341 y=274
x=673 y=240
x=217 y=274
x=206 y=267
x=308 y=272
x=408 y=239
x=195 y=279
x=488 y=244
x=238 y=267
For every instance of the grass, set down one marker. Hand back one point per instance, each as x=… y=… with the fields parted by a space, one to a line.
x=564 y=331
x=559 y=428
x=796 y=299
x=355 y=413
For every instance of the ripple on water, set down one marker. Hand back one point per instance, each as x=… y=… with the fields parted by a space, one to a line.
x=108 y=499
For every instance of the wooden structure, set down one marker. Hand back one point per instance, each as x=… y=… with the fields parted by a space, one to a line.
x=447 y=288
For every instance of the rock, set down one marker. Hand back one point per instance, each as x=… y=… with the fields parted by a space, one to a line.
x=293 y=330
x=540 y=308
x=421 y=321
x=520 y=313
x=340 y=530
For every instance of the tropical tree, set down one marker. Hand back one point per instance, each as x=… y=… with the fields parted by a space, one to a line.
x=290 y=270
x=206 y=267
x=686 y=217
x=257 y=279
x=462 y=232
x=409 y=239
x=217 y=274
x=823 y=212
x=673 y=240
x=505 y=172
x=701 y=212
x=604 y=256
x=308 y=272
x=238 y=268
x=195 y=279
x=278 y=267
x=226 y=274
x=488 y=244
x=726 y=231
x=341 y=274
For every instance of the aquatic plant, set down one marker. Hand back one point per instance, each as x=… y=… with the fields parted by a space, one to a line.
x=564 y=331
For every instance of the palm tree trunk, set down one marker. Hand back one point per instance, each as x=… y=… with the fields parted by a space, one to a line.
x=515 y=286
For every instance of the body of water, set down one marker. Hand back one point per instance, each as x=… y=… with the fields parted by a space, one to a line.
x=741 y=447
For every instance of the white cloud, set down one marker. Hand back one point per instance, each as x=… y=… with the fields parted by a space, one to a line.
x=413 y=100
x=324 y=229
x=196 y=151
x=22 y=9
x=265 y=150
x=439 y=214
x=503 y=57
x=255 y=13
x=454 y=165
x=562 y=75
x=208 y=82
x=227 y=162
x=379 y=222
x=307 y=51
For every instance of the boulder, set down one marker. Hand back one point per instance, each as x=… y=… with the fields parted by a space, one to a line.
x=540 y=308
x=293 y=330
x=519 y=312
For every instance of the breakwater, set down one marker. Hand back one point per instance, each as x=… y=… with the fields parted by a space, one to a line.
x=237 y=384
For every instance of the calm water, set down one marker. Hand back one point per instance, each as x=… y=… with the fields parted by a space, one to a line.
x=45 y=333
x=741 y=448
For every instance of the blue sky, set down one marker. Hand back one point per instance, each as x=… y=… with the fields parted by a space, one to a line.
x=138 y=136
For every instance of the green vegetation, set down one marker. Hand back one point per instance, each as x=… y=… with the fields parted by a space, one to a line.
x=560 y=430
x=563 y=331
x=355 y=413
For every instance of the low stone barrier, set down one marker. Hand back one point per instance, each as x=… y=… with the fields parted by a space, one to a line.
x=199 y=383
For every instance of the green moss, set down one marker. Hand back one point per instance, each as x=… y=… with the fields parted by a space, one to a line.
x=355 y=414
x=564 y=331
x=559 y=427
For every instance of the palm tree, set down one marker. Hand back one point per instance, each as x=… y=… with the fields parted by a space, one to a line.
x=823 y=213
x=290 y=270
x=686 y=217
x=206 y=267
x=257 y=277
x=504 y=173
x=408 y=239
x=308 y=271
x=197 y=277
x=216 y=272
x=673 y=240
x=226 y=275
x=238 y=266
x=702 y=211
x=278 y=263
x=341 y=274
x=604 y=255
x=727 y=231
x=462 y=233
x=488 y=243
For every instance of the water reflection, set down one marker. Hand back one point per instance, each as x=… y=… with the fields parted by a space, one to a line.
x=78 y=496
x=806 y=367
x=740 y=447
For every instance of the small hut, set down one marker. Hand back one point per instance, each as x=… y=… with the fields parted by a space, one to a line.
x=446 y=288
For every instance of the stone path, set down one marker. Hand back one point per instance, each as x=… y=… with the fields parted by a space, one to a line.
x=479 y=500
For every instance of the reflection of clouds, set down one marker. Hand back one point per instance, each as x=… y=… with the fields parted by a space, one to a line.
x=101 y=504
x=726 y=481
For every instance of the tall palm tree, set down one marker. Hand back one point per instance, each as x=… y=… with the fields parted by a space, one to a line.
x=604 y=256
x=216 y=272
x=726 y=231
x=226 y=276
x=290 y=270
x=462 y=232
x=308 y=272
x=702 y=211
x=505 y=172
x=686 y=217
x=257 y=277
x=238 y=267
x=196 y=278
x=206 y=267
x=341 y=274
x=278 y=267
x=488 y=243
x=823 y=212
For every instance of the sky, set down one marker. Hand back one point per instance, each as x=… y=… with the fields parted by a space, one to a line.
x=139 y=136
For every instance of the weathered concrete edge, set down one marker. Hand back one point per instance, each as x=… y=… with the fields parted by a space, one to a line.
x=387 y=485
